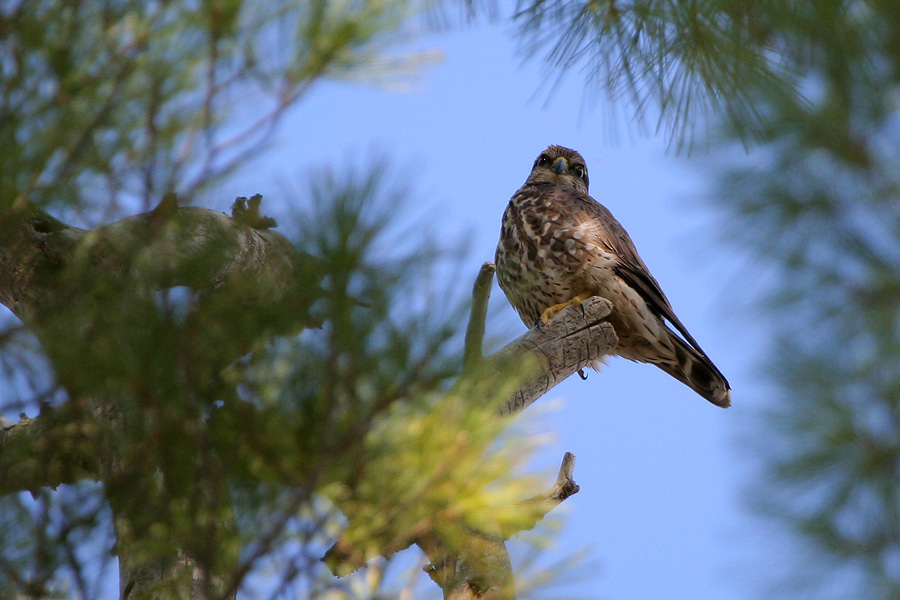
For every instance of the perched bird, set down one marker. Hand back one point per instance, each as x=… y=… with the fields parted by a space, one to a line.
x=558 y=247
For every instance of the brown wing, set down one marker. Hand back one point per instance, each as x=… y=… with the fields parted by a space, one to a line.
x=610 y=234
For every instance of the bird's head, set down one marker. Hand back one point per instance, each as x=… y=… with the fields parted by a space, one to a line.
x=560 y=166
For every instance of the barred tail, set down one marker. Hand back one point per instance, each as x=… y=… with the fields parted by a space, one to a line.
x=693 y=368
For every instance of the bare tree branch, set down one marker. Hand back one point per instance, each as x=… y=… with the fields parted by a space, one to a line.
x=478 y=567
x=574 y=339
x=481 y=293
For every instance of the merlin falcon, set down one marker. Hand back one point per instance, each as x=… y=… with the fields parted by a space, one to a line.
x=558 y=247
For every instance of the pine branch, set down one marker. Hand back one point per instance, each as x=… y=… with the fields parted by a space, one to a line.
x=473 y=564
x=252 y=268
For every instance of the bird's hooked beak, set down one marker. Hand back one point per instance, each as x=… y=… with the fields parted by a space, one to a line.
x=560 y=165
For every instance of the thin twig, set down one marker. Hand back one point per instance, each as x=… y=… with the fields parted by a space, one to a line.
x=481 y=293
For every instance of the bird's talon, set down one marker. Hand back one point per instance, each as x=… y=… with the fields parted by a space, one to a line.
x=550 y=311
x=582 y=374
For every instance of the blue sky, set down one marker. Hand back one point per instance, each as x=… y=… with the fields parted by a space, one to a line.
x=660 y=472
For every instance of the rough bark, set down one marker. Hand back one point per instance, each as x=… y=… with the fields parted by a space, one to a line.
x=573 y=340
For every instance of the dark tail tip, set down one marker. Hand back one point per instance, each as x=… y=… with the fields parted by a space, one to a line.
x=694 y=369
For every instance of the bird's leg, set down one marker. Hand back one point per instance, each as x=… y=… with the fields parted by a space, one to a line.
x=576 y=301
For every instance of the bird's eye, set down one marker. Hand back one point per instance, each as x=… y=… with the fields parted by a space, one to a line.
x=543 y=160
x=579 y=171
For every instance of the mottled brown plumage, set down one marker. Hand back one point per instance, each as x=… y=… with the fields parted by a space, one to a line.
x=559 y=246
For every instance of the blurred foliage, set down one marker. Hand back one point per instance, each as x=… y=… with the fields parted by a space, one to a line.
x=353 y=413
x=374 y=429
x=820 y=200
x=124 y=99
x=683 y=60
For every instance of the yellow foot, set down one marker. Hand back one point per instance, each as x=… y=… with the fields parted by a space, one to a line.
x=576 y=301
